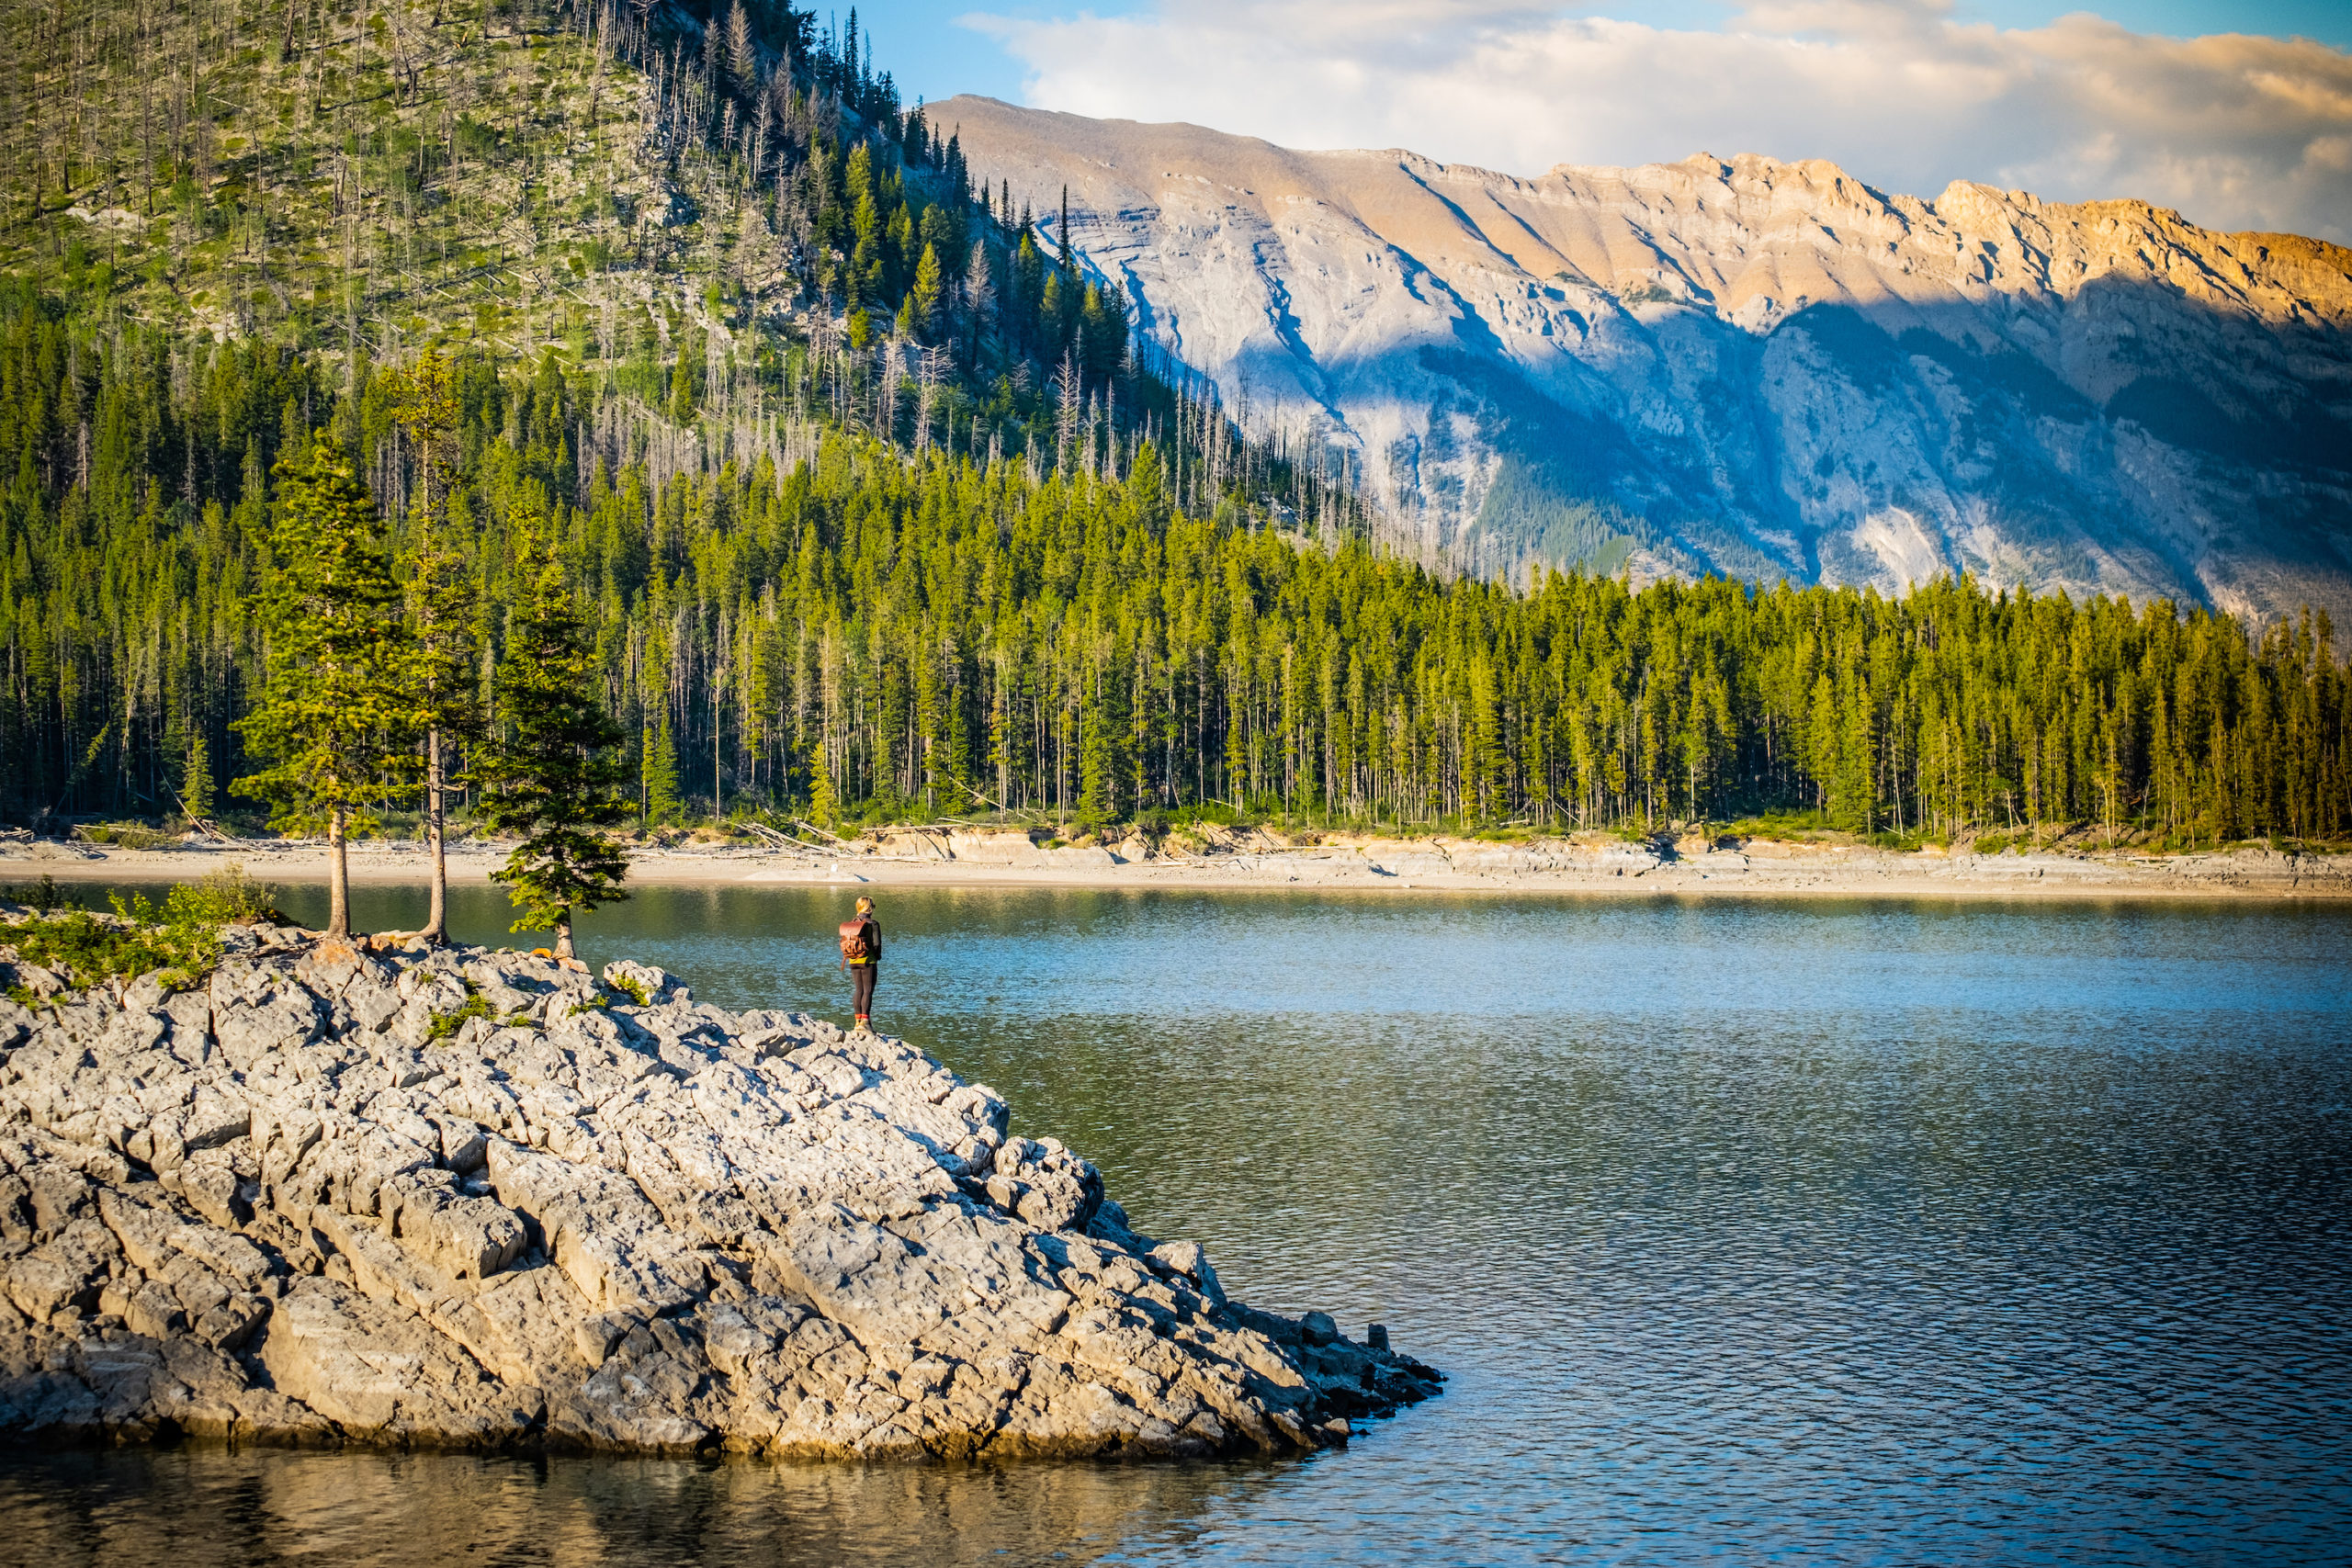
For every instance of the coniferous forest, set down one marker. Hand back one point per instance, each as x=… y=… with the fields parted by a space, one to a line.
x=871 y=498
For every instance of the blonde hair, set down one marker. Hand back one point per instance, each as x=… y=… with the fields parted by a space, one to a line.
x=865 y=906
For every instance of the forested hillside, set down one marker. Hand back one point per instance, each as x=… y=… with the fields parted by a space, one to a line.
x=874 y=509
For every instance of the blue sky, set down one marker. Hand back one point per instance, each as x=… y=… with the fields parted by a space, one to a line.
x=926 y=46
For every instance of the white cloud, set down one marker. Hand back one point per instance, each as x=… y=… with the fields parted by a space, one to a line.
x=2236 y=131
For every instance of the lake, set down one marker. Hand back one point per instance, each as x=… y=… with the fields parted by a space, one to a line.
x=1824 y=1231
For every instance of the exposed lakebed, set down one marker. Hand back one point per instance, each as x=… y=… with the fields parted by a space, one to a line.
x=1850 y=1230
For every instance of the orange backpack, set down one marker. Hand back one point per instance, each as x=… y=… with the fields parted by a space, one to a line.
x=857 y=946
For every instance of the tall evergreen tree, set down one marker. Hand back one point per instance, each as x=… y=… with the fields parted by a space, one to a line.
x=195 y=782
x=440 y=607
x=332 y=724
x=662 y=802
x=824 y=806
x=923 y=299
x=555 y=773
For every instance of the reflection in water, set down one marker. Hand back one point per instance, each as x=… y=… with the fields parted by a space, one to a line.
x=198 y=1506
x=1843 y=1231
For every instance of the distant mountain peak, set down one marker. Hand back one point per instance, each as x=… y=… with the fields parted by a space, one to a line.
x=1750 y=364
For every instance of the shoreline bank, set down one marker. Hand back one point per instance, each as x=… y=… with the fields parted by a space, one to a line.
x=474 y=1200
x=1770 y=869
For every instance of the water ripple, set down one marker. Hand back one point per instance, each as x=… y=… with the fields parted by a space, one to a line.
x=1854 y=1232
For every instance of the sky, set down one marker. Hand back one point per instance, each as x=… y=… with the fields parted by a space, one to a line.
x=2239 y=115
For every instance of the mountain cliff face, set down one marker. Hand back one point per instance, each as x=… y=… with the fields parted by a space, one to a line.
x=1761 y=368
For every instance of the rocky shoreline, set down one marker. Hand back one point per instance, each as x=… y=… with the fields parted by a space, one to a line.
x=479 y=1199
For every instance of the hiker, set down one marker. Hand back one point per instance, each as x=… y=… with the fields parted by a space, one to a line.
x=861 y=955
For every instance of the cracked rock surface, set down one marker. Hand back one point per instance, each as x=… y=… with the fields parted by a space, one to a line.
x=293 y=1206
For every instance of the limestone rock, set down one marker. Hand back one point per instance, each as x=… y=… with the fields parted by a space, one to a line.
x=616 y=1219
x=1761 y=368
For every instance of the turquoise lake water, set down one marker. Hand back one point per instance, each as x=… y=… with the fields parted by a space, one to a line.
x=1809 y=1231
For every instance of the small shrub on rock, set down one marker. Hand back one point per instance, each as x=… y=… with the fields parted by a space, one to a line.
x=447 y=1024
x=179 y=940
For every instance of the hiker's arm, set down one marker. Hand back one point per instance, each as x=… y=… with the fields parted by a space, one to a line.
x=877 y=940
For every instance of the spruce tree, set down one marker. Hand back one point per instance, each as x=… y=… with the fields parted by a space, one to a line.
x=661 y=802
x=824 y=807
x=196 y=781
x=923 y=299
x=554 y=769
x=332 y=724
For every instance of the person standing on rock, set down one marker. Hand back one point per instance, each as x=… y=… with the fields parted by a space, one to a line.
x=861 y=955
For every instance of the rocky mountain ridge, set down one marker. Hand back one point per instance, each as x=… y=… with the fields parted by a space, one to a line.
x=1764 y=369
x=477 y=1200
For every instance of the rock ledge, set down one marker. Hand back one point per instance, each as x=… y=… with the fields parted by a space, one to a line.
x=300 y=1206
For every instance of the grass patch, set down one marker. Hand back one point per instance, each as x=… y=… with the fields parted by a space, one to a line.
x=445 y=1025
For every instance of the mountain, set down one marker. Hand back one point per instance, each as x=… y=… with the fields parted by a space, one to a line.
x=1762 y=368
x=874 y=515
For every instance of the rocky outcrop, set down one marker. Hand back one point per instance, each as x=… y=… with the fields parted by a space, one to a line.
x=1757 y=367
x=477 y=1200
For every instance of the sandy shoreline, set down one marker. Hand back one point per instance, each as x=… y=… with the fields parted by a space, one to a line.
x=1418 y=866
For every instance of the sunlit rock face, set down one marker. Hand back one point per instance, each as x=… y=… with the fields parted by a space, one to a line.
x=1762 y=368
x=478 y=1199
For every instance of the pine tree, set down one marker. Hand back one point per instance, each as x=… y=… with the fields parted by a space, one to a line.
x=333 y=722
x=553 y=766
x=823 y=807
x=661 y=802
x=923 y=299
x=196 y=781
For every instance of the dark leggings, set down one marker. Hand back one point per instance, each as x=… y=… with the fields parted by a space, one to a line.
x=862 y=978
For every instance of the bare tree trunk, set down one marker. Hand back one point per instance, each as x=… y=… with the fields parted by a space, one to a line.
x=338 y=880
x=563 y=936
x=436 y=918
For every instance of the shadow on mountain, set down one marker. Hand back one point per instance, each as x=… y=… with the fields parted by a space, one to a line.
x=1862 y=444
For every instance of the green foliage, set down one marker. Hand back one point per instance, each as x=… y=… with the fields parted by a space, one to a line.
x=633 y=989
x=42 y=895
x=445 y=1025
x=86 y=948
x=196 y=780
x=923 y=300
x=1094 y=627
x=129 y=835
x=1792 y=826
x=440 y=596
x=825 y=803
x=663 y=804
x=180 y=938
x=555 y=776
x=334 y=720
